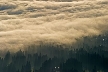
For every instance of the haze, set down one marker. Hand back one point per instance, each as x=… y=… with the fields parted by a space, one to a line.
x=23 y=23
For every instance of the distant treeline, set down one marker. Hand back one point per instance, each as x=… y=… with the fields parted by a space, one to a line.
x=90 y=55
x=77 y=60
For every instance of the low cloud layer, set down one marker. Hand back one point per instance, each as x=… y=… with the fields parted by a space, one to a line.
x=24 y=22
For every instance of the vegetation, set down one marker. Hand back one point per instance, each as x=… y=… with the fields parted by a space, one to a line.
x=58 y=59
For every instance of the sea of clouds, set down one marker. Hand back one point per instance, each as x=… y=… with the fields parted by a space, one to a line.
x=23 y=23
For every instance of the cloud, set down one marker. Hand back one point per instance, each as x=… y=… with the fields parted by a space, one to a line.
x=23 y=23
x=4 y=6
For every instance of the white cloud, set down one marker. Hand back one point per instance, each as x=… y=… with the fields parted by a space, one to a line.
x=23 y=22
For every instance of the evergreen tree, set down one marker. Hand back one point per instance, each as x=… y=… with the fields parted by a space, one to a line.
x=28 y=67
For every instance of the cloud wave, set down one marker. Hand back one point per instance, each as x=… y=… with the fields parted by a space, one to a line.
x=23 y=22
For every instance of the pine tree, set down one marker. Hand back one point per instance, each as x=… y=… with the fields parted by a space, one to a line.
x=28 y=67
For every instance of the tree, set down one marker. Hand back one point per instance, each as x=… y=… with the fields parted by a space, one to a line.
x=28 y=67
x=7 y=58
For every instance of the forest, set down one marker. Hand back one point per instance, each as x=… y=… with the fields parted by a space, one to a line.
x=88 y=58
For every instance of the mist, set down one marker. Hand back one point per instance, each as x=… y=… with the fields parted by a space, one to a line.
x=23 y=23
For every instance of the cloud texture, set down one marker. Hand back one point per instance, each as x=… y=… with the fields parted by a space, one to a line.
x=25 y=22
